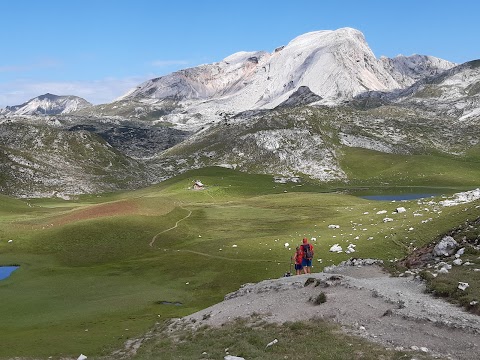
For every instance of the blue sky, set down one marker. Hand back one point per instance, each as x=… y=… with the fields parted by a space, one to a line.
x=99 y=49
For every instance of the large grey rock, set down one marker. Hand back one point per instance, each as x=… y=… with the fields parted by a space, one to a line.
x=445 y=247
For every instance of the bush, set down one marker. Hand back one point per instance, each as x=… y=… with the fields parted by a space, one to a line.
x=319 y=299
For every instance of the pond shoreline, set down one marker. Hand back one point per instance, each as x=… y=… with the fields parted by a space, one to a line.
x=7 y=270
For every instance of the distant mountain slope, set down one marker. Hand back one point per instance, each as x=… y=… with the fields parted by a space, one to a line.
x=310 y=141
x=335 y=65
x=47 y=104
x=294 y=112
x=302 y=96
x=38 y=160
x=407 y=70
x=454 y=93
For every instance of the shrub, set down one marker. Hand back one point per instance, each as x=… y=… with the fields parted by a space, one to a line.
x=319 y=299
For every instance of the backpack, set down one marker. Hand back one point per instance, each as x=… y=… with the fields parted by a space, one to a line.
x=307 y=251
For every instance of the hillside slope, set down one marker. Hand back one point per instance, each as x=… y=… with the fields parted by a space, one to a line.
x=40 y=160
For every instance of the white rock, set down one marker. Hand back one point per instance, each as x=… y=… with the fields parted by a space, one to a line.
x=445 y=247
x=10 y=241
x=381 y=212
x=460 y=252
x=286 y=245
x=333 y=226
x=82 y=357
x=463 y=285
x=462 y=198
x=387 y=220
x=234 y=245
x=457 y=262
x=231 y=357
x=336 y=248
x=273 y=342
x=400 y=210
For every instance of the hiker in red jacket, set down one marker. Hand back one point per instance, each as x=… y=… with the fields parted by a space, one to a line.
x=307 y=252
x=298 y=258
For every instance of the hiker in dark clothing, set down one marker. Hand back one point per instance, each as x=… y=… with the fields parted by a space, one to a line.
x=307 y=252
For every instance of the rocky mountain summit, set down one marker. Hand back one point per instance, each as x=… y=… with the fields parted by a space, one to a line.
x=334 y=65
x=47 y=104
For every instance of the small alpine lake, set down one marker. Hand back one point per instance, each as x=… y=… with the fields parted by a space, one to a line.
x=6 y=271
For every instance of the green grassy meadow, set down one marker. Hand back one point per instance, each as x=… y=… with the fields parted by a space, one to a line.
x=95 y=271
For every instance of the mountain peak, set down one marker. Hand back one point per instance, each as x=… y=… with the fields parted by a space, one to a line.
x=327 y=37
x=335 y=65
x=48 y=104
x=47 y=96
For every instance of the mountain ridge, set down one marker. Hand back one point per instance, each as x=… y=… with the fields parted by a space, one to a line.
x=48 y=104
x=334 y=64
x=190 y=119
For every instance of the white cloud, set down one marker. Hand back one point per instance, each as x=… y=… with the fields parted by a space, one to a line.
x=96 y=91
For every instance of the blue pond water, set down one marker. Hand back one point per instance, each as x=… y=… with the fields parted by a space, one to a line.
x=5 y=271
x=397 y=197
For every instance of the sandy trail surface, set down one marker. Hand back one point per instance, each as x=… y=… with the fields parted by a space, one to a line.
x=366 y=301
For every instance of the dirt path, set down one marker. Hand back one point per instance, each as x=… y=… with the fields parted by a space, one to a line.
x=173 y=227
x=365 y=301
x=152 y=242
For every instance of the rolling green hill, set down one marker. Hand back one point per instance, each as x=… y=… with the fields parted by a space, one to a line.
x=99 y=270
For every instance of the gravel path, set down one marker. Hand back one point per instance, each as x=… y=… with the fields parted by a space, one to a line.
x=365 y=301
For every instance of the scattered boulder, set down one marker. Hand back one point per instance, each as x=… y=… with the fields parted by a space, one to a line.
x=350 y=249
x=273 y=342
x=446 y=247
x=336 y=248
x=463 y=285
x=400 y=210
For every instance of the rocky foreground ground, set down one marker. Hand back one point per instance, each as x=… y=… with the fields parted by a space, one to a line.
x=365 y=301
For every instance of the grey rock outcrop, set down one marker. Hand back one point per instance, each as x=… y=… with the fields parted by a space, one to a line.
x=446 y=247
